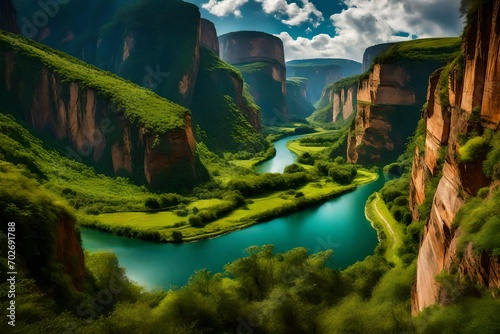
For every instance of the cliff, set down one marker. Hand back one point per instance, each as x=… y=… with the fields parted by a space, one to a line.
x=119 y=128
x=224 y=109
x=462 y=109
x=47 y=244
x=154 y=43
x=372 y=52
x=338 y=101
x=390 y=97
x=260 y=58
x=296 y=94
x=8 y=16
x=209 y=38
x=322 y=72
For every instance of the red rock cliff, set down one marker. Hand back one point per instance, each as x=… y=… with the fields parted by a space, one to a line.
x=459 y=181
x=388 y=108
x=95 y=132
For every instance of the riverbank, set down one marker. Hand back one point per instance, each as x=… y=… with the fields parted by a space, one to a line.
x=160 y=226
x=390 y=232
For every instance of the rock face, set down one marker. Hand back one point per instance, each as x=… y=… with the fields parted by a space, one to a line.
x=297 y=92
x=372 y=52
x=388 y=110
x=250 y=47
x=345 y=103
x=209 y=38
x=261 y=59
x=8 y=16
x=322 y=72
x=94 y=130
x=69 y=252
x=459 y=181
x=155 y=44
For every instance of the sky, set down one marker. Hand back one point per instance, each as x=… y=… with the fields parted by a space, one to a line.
x=335 y=28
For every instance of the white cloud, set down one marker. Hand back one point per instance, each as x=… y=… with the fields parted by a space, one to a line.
x=224 y=7
x=291 y=13
x=369 y=22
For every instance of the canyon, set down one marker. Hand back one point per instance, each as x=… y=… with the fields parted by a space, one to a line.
x=321 y=73
x=94 y=126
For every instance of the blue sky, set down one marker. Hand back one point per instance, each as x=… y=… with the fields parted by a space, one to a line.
x=335 y=28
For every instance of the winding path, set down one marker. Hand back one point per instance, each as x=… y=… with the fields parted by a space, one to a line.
x=386 y=222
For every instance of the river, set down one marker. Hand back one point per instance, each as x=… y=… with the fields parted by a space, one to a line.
x=338 y=224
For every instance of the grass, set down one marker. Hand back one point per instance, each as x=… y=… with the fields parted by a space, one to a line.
x=378 y=214
x=297 y=148
x=436 y=49
x=141 y=106
x=258 y=209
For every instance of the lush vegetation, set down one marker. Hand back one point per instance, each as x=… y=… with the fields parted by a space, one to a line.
x=428 y=49
x=80 y=185
x=221 y=119
x=141 y=106
x=479 y=220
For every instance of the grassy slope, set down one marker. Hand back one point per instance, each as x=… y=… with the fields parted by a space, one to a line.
x=224 y=127
x=261 y=208
x=79 y=184
x=141 y=106
x=378 y=214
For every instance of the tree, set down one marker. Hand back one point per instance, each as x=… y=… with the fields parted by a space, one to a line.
x=177 y=236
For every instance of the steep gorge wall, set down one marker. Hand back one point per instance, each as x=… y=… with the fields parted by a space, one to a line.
x=8 y=16
x=93 y=129
x=322 y=72
x=459 y=181
x=209 y=38
x=297 y=92
x=372 y=52
x=261 y=59
x=388 y=109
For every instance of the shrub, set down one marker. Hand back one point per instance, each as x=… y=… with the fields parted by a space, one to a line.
x=195 y=221
x=306 y=159
x=473 y=147
x=152 y=203
x=342 y=174
x=177 y=236
x=339 y=160
x=294 y=168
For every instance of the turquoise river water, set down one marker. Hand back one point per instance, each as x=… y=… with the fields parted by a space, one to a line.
x=338 y=224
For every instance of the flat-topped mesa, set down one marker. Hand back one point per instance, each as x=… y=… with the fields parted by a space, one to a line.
x=391 y=95
x=467 y=109
x=322 y=72
x=261 y=59
x=250 y=47
x=372 y=52
x=8 y=16
x=146 y=138
x=209 y=38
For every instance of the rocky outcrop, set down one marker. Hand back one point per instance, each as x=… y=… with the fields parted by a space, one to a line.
x=296 y=94
x=209 y=38
x=459 y=181
x=372 y=52
x=152 y=43
x=251 y=47
x=322 y=72
x=8 y=16
x=260 y=58
x=155 y=43
x=345 y=103
x=68 y=250
x=94 y=130
x=389 y=103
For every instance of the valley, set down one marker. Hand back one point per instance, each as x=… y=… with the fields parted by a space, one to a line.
x=166 y=168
